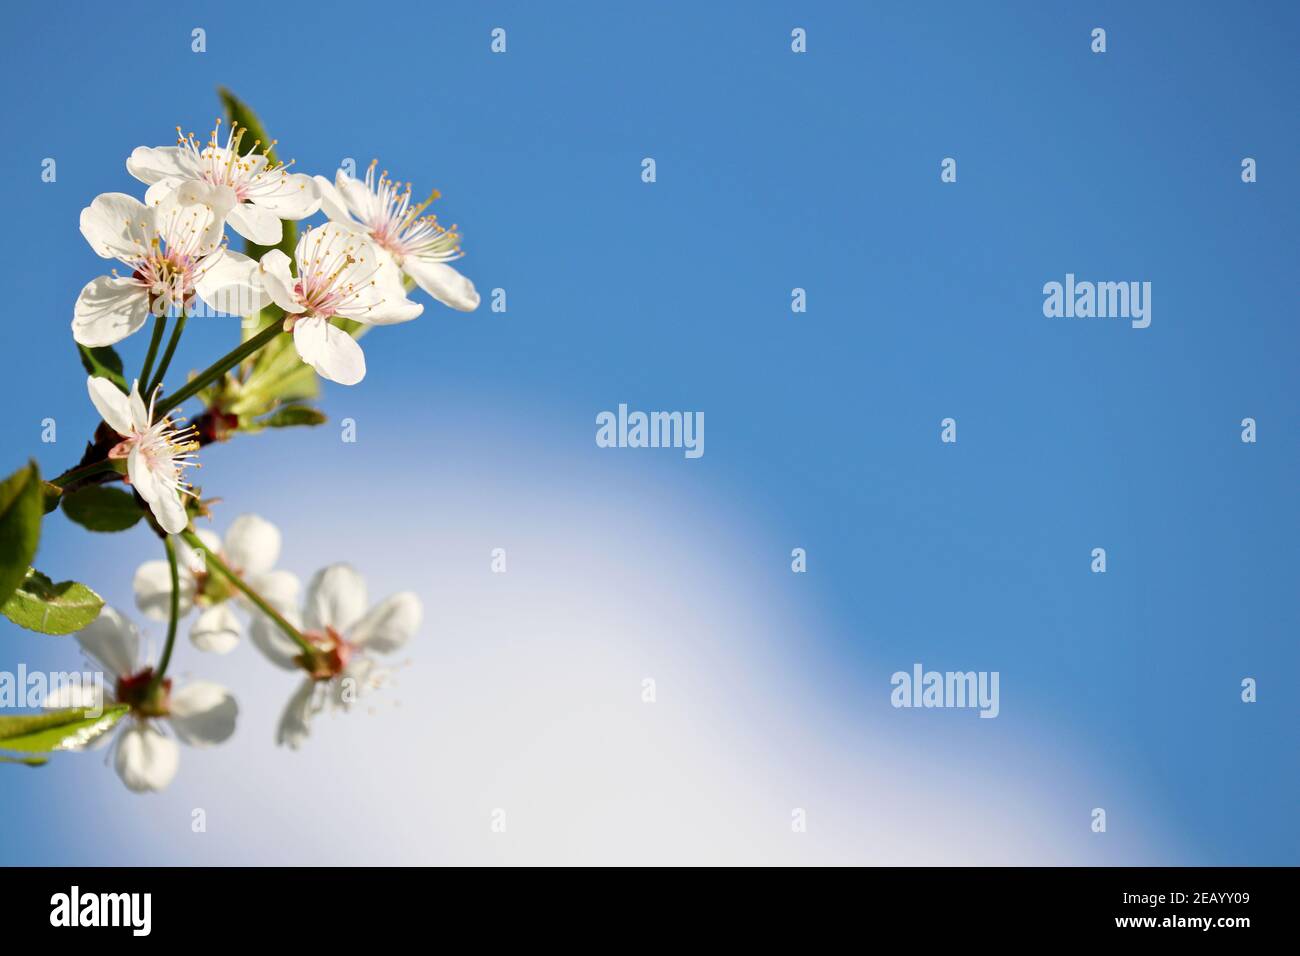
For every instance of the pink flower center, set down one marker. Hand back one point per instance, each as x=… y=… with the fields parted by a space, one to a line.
x=145 y=700
x=330 y=654
x=169 y=277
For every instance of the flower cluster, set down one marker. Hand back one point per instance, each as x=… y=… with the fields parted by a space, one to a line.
x=304 y=297
x=354 y=267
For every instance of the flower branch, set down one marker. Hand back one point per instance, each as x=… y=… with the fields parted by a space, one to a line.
x=159 y=327
x=81 y=472
x=167 y=355
x=173 y=617
x=313 y=295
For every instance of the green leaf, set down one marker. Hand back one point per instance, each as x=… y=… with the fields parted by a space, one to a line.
x=51 y=493
x=48 y=608
x=22 y=505
x=68 y=729
x=240 y=114
x=25 y=761
x=287 y=416
x=100 y=508
x=105 y=363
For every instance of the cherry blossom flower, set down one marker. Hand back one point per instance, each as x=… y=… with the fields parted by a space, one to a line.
x=250 y=549
x=145 y=757
x=156 y=452
x=344 y=636
x=174 y=252
x=418 y=245
x=340 y=273
x=257 y=193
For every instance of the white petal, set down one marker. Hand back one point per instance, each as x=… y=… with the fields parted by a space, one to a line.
x=347 y=256
x=164 y=502
x=138 y=473
x=252 y=545
x=218 y=198
x=145 y=759
x=192 y=217
x=219 y=157
x=389 y=624
x=276 y=646
x=279 y=588
x=150 y=164
x=117 y=226
x=139 y=411
x=332 y=202
x=378 y=295
x=360 y=676
x=159 y=191
x=203 y=713
x=278 y=281
x=108 y=310
x=356 y=196
x=193 y=558
x=153 y=590
x=296 y=196
x=169 y=510
x=112 y=405
x=295 y=723
x=216 y=630
x=83 y=696
x=336 y=597
x=112 y=641
x=333 y=353
x=231 y=283
x=389 y=305
x=257 y=223
x=442 y=282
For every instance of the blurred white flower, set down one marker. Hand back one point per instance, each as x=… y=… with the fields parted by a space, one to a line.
x=345 y=635
x=173 y=250
x=145 y=757
x=418 y=245
x=257 y=193
x=339 y=273
x=250 y=549
x=156 y=452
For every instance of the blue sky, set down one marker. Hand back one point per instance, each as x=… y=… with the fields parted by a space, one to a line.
x=775 y=171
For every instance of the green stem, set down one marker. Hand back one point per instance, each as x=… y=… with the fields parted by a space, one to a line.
x=215 y=562
x=159 y=326
x=219 y=368
x=173 y=617
x=84 y=471
x=167 y=355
